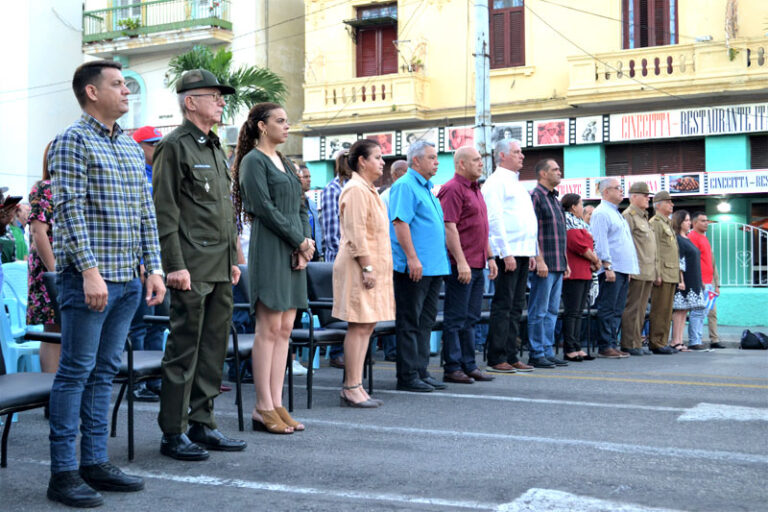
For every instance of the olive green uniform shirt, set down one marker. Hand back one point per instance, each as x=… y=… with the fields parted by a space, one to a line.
x=645 y=242
x=668 y=259
x=195 y=217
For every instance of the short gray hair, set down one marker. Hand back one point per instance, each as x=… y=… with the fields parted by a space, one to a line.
x=502 y=146
x=417 y=150
x=182 y=96
x=605 y=183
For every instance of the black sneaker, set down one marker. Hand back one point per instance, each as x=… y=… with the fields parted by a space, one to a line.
x=69 y=488
x=541 y=363
x=145 y=395
x=664 y=350
x=556 y=361
x=108 y=477
x=716 y=345
x=633 y=351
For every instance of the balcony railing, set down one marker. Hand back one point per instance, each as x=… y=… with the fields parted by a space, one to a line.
x=143 y=18
x=679 y=69
x=401 y=92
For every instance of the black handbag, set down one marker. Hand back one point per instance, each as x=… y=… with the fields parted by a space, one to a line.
x=753 y=340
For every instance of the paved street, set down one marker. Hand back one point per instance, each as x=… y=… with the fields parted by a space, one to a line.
x=682 y=432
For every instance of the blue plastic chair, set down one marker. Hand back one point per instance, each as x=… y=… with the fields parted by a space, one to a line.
x=15 y=275
x=19 y=356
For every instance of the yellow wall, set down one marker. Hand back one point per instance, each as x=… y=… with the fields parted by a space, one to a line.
x=552 y=81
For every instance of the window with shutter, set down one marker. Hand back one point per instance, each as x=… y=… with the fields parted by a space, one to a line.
x=758 y=145
x=507 y=33
x=649 y=23
x=534 y=155
x=376 y=36
x=663 y=157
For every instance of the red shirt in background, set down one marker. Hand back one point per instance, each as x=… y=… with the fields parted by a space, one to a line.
x=578 y=241
x=702 y=244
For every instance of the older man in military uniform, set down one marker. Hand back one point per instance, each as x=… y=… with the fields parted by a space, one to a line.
x=640 y=285
x=667 y=274
x=196 y=226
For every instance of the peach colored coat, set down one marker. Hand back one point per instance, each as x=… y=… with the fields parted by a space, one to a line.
x=364 y=227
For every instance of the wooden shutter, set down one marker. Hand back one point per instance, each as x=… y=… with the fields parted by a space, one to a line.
x=759 y=151
x=507 y=36
x=516 y=38
x=652 y=23
x=388 y=50
x=367 y=62
x=498 y=39
x=667 y=157
x=533 y=156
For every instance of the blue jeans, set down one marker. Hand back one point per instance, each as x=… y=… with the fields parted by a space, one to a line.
x=461 y=311
x=543 y=307
x=91 y=348
x=610 y=306
x=695 y=326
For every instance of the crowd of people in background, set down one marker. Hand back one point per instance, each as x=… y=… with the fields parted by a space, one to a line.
x=123 y=220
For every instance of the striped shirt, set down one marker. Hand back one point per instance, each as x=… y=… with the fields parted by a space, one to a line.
x=329 y=219
x=551 y=218
x=103 y=208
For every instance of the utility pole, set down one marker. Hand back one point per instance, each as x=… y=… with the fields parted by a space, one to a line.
x=483 y=86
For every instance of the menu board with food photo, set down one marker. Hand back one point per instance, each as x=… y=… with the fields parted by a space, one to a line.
x=682 y=184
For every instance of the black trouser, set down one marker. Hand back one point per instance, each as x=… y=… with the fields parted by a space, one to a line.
x=610 y=305
x=575 y=293
x=416 y=310
x=506 y=309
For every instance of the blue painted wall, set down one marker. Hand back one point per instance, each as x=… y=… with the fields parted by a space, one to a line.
x=584 y=161
x=727 y=153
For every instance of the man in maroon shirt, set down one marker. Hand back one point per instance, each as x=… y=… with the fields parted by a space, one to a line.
x=709 y=275
x=466 y=235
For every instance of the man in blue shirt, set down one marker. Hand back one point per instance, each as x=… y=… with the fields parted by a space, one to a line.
x=420 y=261
x=616 y=250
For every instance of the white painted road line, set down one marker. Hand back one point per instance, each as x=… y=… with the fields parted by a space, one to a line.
x=721 y=412
x=550 y=500
x=433 y=394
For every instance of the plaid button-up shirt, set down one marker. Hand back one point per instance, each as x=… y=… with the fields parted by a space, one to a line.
x=329 y=219
x=551 y=219
x=103 y=208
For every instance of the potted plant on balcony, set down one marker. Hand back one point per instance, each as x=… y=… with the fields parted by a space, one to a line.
x=130 y=26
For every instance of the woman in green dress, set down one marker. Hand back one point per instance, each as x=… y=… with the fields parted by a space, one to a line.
x=267 y=193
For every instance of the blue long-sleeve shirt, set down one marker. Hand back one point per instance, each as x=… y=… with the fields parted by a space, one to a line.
x=613 y=239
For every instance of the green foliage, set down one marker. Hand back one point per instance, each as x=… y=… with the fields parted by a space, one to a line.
x=129 y=23
x=252 y=84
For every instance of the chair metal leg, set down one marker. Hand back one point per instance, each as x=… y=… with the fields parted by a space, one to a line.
x=289 y=365
x=4 y=448
x=310 y=372
x=369 y=365
x=116 y=409
x=238 y=384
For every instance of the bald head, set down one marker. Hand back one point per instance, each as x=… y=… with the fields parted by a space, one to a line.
x=398 y=169
x=468 y=163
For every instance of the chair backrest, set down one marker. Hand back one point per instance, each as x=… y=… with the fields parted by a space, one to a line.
x=6 y=337
x=15 y=276
x=242 y=284
x=49 y=279
x=320 y=287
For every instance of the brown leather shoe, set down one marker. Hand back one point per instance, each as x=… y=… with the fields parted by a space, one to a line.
x=610 y=353
x=480 y=376
x=458 y=377
x=338 y=362
x=501 y=368
x=520 y=366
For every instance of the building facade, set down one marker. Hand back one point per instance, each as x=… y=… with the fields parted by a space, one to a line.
x=671 y=92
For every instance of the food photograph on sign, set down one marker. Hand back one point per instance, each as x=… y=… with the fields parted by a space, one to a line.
x=411 y=136
x=385 y=140
x=684 y=183
x=550 y=133
x=508 y=131
x=461 y=136
x=333 y=143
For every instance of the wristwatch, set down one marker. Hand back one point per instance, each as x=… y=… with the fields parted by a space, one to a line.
x=368 y=269
x=156 y=272
x=608 y=267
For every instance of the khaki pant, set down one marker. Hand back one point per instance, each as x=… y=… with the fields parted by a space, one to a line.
x=194 y=355
x=633 y=318
x=712 y=319
x=662 y=298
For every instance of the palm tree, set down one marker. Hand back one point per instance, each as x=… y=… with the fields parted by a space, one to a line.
x=252 y=84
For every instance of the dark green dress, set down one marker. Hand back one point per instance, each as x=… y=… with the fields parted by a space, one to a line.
x=280 y=223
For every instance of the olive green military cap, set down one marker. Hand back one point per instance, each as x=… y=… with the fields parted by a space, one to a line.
x=662 y=196
x=201 y=79
x=640 y=187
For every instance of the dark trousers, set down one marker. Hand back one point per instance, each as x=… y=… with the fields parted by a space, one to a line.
x=610 y=306
x=463 y=303
x=506 y=310
x=416 y=310
x=575 y=293
x=194 y=355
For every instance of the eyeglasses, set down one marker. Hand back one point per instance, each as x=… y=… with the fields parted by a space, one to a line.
x=615 y=188
x=217 y=97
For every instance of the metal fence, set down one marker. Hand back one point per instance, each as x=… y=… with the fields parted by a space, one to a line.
x=741 y=253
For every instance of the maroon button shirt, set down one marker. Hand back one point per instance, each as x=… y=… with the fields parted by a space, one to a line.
x=463 y=204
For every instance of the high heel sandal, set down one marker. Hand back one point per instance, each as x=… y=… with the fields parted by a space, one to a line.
x=271 y=423
x=380 y=402
x=288 y=420
x=365 y=404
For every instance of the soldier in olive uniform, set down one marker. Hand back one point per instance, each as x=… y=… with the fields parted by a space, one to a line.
x=667 y=274
x=198 y=242
x=640 y=285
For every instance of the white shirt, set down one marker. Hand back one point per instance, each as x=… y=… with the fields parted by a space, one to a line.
x=514 y=228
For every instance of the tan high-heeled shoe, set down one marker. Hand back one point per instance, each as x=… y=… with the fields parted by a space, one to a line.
x=288 y=420
x=271 y=423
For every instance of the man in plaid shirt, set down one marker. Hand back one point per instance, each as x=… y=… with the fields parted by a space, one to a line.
x=551 y=267
x=105 y=224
